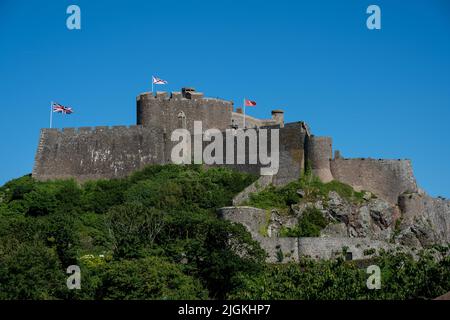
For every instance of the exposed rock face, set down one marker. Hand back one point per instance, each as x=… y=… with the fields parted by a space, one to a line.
x=425 y=220
x=264 y=226
x=410 y=221
x=335 y=230
x=419 y=221
x=374 y=218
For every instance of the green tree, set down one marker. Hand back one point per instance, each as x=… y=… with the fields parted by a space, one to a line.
x=133 y=227
x=148 y=278
x=31 y=272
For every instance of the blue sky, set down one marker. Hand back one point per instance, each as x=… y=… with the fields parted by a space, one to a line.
x=380 y=94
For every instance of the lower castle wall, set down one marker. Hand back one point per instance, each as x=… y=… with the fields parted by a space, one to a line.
x=329 y=248
x=385 y=178
x=96 y=153
x=257 y=222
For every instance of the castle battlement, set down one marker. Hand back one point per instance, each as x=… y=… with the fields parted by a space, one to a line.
x=163 y=95
x=87 y=130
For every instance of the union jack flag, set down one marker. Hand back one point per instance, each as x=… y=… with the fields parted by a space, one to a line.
x=61 y=109
x=157 y=80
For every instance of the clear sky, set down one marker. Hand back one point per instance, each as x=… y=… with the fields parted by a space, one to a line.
x=381 y=93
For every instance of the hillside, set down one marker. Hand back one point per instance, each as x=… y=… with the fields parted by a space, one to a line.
x=157 y=235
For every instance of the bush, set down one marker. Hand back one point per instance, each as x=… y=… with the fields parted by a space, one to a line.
x=148 y=278
x=16 y=189
x=31 y=272
x=309 y=225
x=133 y=227
x=314 y=189
x=41 y=201
x=402 y=277
x=99 y=196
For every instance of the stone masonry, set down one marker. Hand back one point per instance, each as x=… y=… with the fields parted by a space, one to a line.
x=103 y=152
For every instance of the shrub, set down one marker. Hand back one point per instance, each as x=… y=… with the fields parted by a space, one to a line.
x=309 y=225
x=101 y=195
x=133 y=227
x=32 y=271
x=314 y=189
x=148 y=278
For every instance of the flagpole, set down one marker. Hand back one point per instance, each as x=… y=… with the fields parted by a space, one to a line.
x=51 y=114
x=152 y=87
x=244 y=113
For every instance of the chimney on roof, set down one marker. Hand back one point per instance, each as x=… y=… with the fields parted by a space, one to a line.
x=186 y=92
x=278 y=117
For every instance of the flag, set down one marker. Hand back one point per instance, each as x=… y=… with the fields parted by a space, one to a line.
x=249 y=103
x=61 y=109
x=157 y=80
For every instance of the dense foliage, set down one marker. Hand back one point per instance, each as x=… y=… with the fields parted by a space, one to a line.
x=312 y=189
x=309 y=224
x=402 y=277
x=156 y=235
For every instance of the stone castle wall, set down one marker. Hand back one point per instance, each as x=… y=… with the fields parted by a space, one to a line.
x=97 y=153
x=256 y=221
x=329 y=248
x=102 y=152
x=292 y=153
x=291 y=146
x=385 y=178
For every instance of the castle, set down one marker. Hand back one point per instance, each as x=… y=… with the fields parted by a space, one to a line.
x=113 y=152
x=398 y=213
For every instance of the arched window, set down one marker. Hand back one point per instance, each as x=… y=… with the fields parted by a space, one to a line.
x=182 y=120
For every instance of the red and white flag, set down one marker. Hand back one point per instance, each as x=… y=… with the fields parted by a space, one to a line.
x=157 y=80
x=249 y=103
x=61 y=109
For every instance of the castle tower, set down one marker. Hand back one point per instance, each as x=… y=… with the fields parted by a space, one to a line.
x=319 y=154
x=181 y=109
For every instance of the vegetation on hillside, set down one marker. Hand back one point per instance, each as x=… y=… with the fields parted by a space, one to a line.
x=156 y=235
x=402 y=277
x=309 y=224
x=312 y=190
